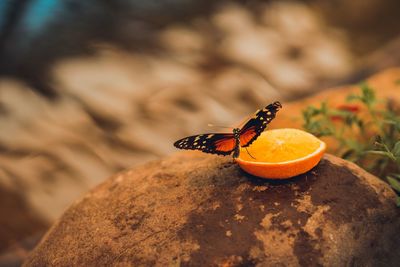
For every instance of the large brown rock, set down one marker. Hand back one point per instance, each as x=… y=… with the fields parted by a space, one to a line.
x=20 y=227
x=199 y=210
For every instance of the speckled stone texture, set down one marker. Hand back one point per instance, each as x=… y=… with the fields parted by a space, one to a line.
x=193 y=209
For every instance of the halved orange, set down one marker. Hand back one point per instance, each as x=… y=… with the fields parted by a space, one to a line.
x=281 y=154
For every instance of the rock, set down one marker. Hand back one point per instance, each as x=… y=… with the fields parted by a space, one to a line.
x=17 y=221
x=21 y=228
x=193 y=209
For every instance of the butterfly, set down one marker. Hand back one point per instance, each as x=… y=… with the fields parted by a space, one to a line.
x=226 y=143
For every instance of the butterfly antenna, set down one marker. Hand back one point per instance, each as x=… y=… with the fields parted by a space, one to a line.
x=219 y=126
x=249 y=153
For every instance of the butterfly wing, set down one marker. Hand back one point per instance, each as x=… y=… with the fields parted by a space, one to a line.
x=214 y=143
x=257 y=124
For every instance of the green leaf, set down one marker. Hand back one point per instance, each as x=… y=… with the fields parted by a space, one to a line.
x=353 y=144
x=352 y=97
x=382 y=153
x=389 y=121
x=325 y=132
x=396 y=149
x=394 y=183
x=398 y=201
x=368 y=95
x=313 y=111
x=360 y=123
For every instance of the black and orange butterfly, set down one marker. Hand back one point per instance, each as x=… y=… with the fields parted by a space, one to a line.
x=226 y=143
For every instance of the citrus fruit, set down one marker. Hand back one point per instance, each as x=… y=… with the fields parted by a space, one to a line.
x=281 y=153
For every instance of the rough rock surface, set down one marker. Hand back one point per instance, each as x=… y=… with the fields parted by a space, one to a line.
x=199 y=210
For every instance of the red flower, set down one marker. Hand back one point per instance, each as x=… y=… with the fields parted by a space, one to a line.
x=349 y=107
x=345 y=107
x=336 y=118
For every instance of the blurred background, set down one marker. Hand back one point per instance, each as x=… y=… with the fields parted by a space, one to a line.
x=89 y=88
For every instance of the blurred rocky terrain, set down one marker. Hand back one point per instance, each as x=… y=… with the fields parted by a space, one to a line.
x=95 y=87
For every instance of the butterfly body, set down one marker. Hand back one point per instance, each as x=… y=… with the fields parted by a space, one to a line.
x=228 y=143
x=236 y=136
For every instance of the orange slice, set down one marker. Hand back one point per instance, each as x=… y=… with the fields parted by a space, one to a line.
x=281 y=154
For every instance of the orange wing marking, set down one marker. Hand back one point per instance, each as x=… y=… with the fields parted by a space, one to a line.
x=225 y=145
x=247 y=136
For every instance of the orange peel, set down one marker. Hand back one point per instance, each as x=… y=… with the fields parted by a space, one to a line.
x=281 y=154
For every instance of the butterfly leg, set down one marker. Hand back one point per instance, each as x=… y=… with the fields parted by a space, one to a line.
x=249 y=153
